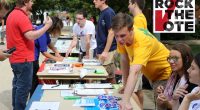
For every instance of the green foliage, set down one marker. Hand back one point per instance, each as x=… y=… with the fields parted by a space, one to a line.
x=73 y=5
x=195 y=49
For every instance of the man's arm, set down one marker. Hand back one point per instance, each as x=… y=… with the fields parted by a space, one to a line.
x=72 y=45
x=53 y=48
x=34 y=34
x=124 y=65
x=3 y=56
x=131 y=82
x=88 y=38
x=48 y=55
x=109 y=41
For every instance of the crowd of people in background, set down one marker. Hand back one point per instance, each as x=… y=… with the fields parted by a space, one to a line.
x=173 y=72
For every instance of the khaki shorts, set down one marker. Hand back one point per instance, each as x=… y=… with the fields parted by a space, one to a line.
x=110 y=58
x=110 y=68
x=138 y=85
x=109 y=64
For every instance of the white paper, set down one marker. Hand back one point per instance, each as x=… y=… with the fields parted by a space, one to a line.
x=91 y=62
x=71 y=59
x=85 y=102
x=78 y=86
x=101 y=86
x=44 y=106
x=62 y=45
x=55 y=87
x=83 y=73
x=91 y=92
x=90 y=69
x=64 y=93
x=60 y=69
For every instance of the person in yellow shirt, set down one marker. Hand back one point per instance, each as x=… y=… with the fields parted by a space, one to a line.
x=139 y=20
x=139 y=51
x=135 y=8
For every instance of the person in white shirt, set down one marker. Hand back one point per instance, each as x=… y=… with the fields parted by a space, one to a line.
x=84 y=30
x=191 y=100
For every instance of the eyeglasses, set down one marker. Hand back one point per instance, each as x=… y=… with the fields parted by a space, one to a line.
x=172 y=58
x=79 y=18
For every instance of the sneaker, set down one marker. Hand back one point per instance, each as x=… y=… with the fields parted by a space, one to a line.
x=2 y=43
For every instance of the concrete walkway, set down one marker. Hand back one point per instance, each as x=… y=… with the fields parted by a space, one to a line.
x=5 y=84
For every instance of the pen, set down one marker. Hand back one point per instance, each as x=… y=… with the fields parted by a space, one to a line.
x=39 y=109
x=55 y=86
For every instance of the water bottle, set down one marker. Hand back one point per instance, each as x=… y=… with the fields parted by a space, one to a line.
x=77 y=45
x=80 y=57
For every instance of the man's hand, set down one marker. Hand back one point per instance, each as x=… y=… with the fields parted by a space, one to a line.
x=86 y=57
x=48 y=21
x=68 y=52
x=180 y=92
x=57 y=54
x=121 y=90
x=125 y=105
x=3 y=55
x=103 y=56
x=59 y=58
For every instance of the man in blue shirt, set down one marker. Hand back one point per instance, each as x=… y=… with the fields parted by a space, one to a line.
x=106 y=43
x=42 y=44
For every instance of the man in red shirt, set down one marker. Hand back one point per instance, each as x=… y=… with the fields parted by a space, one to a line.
x=20 y=34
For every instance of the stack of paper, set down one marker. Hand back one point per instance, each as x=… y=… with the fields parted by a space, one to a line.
x=55 y=86
x=60 y=68
x=91 y=62
x=64 y=93
x=101 y=86
x=85 y=102
x=83 y=73
x=62 y=45
x=90 y=92
x=70 y=60
x=45 y=106
x=78 y=86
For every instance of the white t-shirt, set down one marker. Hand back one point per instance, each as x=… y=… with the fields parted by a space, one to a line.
x=195 y=105
x=89 y=28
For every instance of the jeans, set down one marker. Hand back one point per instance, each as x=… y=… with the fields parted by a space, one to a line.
x=35 y=81
x=22 y=83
